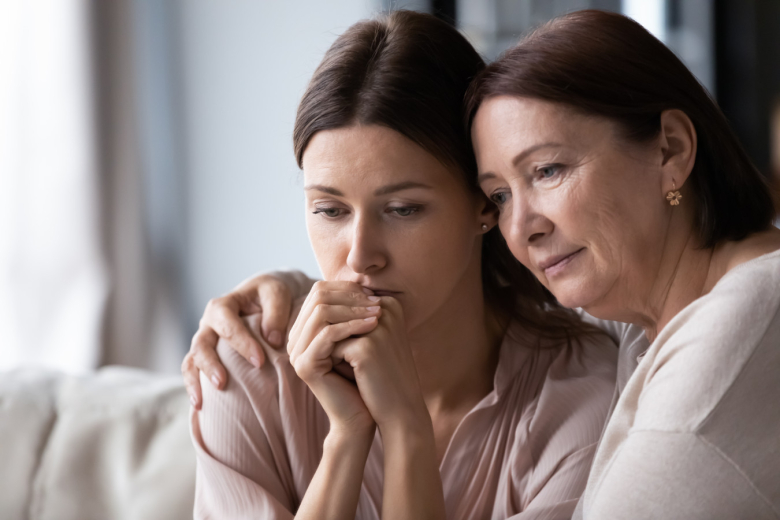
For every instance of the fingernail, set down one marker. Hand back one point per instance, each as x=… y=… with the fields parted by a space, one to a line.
x=193 y=400
x=275 y=337
x=215 y=380
x=374 y=298
x=372 y=318
x=373 y=308
x=367 y=290
x=255 y=361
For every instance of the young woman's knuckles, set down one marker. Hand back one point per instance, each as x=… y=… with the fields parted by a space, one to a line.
x=385 y=375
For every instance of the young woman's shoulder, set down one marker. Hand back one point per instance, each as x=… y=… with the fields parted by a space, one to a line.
x=254 y=438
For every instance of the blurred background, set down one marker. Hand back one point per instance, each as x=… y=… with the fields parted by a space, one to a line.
x=146 y=157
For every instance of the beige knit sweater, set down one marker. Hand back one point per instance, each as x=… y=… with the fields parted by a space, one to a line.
x=695 y=433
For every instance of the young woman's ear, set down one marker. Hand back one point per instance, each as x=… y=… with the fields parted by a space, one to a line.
x=488 y=215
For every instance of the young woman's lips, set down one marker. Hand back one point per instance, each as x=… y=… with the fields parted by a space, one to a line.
x=556 y=265
x=383 y=292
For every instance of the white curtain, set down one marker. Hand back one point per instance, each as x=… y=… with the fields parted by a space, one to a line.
x=80 y=284
x=53 y=277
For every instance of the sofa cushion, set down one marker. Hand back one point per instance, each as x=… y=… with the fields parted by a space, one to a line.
x=116 y=445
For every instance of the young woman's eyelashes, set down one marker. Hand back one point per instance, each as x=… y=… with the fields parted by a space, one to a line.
x=399 y=211
x=328 y=212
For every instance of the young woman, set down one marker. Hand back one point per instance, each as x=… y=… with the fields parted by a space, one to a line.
x=429 y=375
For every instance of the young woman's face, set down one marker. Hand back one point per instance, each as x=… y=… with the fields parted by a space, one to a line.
x=584 y=211
x=383 y=212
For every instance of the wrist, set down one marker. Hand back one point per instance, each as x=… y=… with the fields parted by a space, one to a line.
x=340 y=436
x=412 y=435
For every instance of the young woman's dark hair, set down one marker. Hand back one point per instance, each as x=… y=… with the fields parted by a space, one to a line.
x=608 y=65
x=410 y=72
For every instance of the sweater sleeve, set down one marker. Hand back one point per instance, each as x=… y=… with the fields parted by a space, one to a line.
x=243 y=469
x=676 y=475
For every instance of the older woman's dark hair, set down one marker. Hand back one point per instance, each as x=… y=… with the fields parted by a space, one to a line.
x=608 y=65
x=409 y=72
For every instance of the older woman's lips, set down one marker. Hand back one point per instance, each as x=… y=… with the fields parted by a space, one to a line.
x=553 y=266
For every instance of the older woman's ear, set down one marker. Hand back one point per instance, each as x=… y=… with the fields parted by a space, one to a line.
x=678 y=149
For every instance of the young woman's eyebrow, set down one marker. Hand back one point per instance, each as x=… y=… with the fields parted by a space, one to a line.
x=384 y=190
x=324 y=189
x=392 y=188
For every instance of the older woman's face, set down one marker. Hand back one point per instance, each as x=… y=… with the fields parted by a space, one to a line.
x=581 y=208
x=383 y=212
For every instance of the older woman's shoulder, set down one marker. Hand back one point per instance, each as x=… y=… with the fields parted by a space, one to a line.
x=745 y=299
x=716 y=352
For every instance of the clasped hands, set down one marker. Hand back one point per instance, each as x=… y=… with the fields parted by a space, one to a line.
x=344 y=332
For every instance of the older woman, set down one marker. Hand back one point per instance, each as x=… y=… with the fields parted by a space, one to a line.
x=430 y=374
x=622 y=188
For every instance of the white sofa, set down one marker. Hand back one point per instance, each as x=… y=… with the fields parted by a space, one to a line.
x=112 y=445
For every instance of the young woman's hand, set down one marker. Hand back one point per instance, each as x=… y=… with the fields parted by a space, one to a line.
x=385 y=372
x=270 y=293
x=386 y=376
x=333 y=312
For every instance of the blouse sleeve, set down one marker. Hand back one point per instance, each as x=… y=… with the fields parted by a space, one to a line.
x=243 y=470
x=562 y=436
x=557 y=499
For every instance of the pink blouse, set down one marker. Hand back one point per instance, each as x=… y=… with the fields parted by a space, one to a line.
x=523 y=452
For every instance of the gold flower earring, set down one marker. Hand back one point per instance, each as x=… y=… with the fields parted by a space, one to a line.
x=674 y=196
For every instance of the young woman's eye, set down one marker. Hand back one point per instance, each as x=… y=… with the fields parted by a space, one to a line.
x=405 y=211
x=328 y=212
x=499 y=198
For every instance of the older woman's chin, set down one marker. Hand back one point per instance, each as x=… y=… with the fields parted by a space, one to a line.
x=572 y=293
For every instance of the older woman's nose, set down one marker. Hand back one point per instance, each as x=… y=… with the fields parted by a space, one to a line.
x=527 y=225
x=366 y=252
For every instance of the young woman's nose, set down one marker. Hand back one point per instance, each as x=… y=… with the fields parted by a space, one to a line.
x=366 y=253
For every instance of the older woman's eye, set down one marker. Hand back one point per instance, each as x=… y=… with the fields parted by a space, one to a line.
x=499 y=198
x=328 y=212
x=549 y=171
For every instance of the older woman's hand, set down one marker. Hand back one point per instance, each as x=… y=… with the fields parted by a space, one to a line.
x=273 y=294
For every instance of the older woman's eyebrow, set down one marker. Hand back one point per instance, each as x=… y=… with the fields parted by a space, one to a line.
x=518 y=158
x=531 y=149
